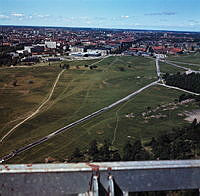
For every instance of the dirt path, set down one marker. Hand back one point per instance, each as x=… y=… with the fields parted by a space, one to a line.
x=37 y=110
x=69 y=84
x=117 y=121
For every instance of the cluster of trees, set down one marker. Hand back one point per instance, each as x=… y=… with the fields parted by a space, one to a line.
x=134 y=151
x=96 y=153
x=121 y=69
x=93 y=66
x=5 y=58
x=182 y=143
x=190 y=82
x=123 y=47
x=65 y=66
x=183 y=97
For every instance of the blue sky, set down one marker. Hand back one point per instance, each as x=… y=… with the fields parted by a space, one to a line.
x=132 y=14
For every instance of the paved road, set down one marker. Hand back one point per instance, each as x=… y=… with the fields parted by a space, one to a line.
x=175 y=65
x=42 y=104
x=184 y=63
x=176 y=88
x=86 y=118
x=158 y=68
x=173 y=87
x=182 y=67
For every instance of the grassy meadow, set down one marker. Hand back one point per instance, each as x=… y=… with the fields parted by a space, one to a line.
x=79 y=92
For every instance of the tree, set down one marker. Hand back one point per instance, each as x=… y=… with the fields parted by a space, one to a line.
x=194 y=123
x=66 y=66
x=139 y=152
x=149 y=108
x=127 y=152
x=76 y=153
x=181 y=149
x=137 y=146
x=30 y=82
x=154 y=144
x=142 y=155
x=76 y=156
x=104 y=151
x=14 y=83
x=116 y=157
x=121 y=69
x=93 y=148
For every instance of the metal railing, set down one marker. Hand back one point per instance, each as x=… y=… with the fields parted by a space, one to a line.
x=108 y=178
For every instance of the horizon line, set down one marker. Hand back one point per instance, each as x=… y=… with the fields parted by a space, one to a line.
x=99 y=28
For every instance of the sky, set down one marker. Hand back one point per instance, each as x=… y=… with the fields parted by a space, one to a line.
x=183 y=15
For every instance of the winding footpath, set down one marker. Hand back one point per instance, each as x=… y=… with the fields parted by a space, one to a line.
x=69 y=126
x=37 y=110
x=88 y=117
x=42 y=104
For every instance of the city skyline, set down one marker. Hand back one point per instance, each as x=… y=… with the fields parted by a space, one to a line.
x=127 y=14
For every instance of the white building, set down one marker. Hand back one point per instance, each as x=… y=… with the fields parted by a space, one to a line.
x=77 y=49
x=28 y=48
x=50 y=44
x=103 y=52
x=160 y=56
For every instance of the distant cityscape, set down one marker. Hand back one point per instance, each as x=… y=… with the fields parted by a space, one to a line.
x=100 y=97
x=28 y=45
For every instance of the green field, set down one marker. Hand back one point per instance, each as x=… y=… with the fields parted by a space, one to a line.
x=81 y=91
x=187 y=58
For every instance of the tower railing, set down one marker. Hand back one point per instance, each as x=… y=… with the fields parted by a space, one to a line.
x=105 y=178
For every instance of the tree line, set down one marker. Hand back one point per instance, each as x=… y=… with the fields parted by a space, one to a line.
x=190 y=82
x=179 y=143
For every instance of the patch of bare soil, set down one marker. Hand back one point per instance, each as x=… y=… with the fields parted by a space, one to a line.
x=100 y=132
x=190 y=116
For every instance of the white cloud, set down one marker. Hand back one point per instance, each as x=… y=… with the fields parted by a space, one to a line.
x=43 y=16
x=17 y=15
x=4 y=16
x=124 y=16
x=84 y=18
x=161 y=14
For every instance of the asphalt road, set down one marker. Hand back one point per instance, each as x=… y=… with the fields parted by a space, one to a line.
x=184 y=63
x=180 y=89
x=94 y=114
x=182 y=67
x=175 y=65
x=86 y=118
